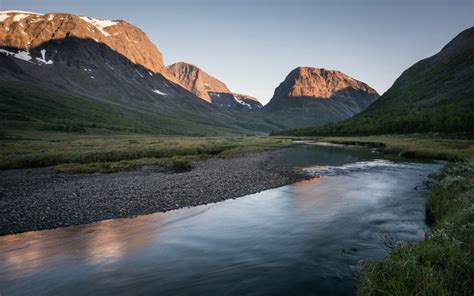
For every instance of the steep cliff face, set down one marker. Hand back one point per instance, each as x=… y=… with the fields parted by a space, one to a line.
x=27 y=30
x=210 y=89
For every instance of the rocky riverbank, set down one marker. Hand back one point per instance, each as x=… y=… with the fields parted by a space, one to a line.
x=35 y=199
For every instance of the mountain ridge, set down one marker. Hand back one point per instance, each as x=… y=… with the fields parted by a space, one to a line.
x=211 y=89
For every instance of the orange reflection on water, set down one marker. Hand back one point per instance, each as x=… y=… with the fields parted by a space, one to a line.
x=99 y=243
x=306 y=194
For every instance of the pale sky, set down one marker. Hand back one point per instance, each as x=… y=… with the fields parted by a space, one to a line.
x=251 y=45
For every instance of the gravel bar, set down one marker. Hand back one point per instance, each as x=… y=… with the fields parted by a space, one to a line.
x=35 y=199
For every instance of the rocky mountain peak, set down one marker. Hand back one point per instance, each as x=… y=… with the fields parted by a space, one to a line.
x=319 y=83
x=27 y=30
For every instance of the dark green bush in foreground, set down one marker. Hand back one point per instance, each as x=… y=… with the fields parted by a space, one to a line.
x=442 y=264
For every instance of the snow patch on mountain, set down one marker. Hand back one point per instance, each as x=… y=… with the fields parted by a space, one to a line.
x=99 y=24
x=21 y=55
x=43 y=58
x=159 y=92
x=243 y=103
x=18 y=14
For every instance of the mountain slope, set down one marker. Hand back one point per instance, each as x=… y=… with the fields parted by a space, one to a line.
x=25 y=30
x=100 y=60
x=27 y=106
x=434 y=95
x=210 y=89
x=312 y=96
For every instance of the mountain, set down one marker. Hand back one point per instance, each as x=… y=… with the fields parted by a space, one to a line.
x=28 y=30
x=314 y=96
x=434 y=95
x=210 y=89
x=111 y=62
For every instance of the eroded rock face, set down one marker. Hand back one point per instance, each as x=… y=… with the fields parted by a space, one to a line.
x=27 y=30
x=319 y=83
x=306 y=84
x=211 y=89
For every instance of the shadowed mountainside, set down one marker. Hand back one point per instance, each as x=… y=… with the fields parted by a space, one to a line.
x=434 y=95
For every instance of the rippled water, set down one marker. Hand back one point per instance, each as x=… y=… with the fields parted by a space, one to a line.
x=303 y=239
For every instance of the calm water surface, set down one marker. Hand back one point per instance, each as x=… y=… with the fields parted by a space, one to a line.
x=306 y=238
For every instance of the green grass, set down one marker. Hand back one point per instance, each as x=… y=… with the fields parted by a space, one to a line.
x=442 y=264
x=112 y=152
x=26 y=106
x=413 y=146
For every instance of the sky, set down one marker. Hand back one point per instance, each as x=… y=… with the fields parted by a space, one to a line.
x=251 y=45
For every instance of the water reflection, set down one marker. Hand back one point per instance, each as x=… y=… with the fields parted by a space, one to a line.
x=97 y=243
x=302 y=239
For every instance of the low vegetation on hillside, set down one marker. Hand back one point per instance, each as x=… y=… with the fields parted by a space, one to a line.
x=24 y=106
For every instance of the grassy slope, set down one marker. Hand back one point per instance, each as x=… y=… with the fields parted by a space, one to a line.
x=25 y=106
x=434 y=95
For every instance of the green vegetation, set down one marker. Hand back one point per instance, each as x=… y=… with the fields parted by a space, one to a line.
x=442 y=264
x=412 y=146
x=92 y=152
x=181 y=164
x=434 y=95
x=24 y=106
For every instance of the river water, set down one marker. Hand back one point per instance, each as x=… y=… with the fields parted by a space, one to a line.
x=308 y=238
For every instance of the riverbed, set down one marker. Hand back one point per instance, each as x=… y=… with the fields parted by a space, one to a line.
x=306 y=238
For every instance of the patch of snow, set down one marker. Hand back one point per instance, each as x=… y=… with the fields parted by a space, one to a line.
x=206 y=84
x=20 y=16
x=21 y=55
x=43 y=58
x=159 y=92
x=99 y=24
x=50 y=17
x=92 y=77
x=151 y=74
x=139 y=73
x=243 y=103
x=18 y=11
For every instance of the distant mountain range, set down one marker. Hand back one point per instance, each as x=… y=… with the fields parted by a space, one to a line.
x=434 y=95
x=113 y=65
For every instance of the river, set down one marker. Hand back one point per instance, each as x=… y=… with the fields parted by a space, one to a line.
x=307 y=238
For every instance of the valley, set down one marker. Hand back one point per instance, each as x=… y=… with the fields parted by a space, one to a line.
x=122 y=174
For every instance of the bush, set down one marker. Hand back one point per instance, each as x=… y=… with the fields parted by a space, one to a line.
x=181 y=164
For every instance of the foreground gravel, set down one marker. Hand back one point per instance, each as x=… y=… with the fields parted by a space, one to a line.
x=34 y=199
